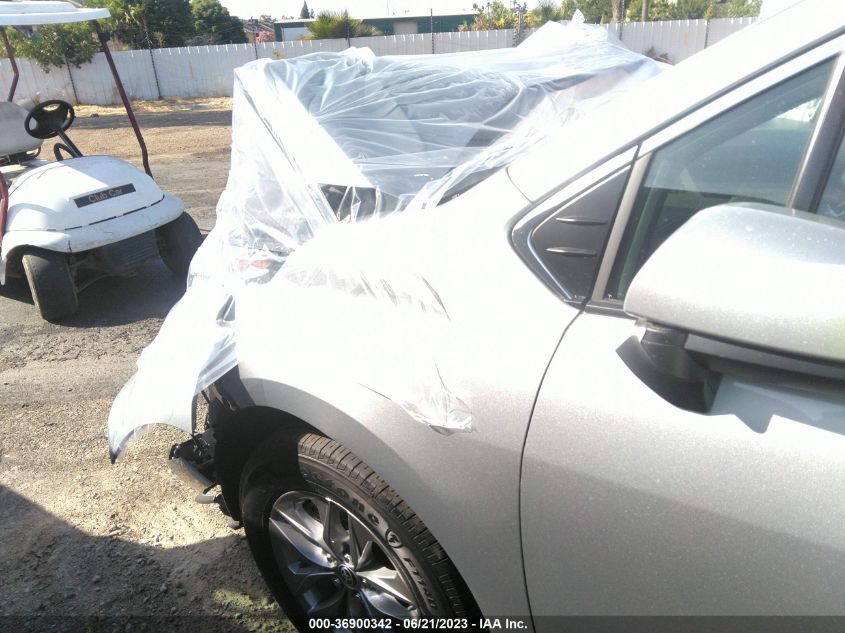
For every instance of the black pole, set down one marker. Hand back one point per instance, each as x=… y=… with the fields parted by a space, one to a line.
x=72 y=82
x=152 y=58
x=348 y=40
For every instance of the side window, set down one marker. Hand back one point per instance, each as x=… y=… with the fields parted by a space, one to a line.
x=749 y=153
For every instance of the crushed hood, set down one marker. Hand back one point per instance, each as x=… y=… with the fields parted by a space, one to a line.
x=326 y=147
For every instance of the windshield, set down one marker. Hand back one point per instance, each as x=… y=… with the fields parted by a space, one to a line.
x=383 y=134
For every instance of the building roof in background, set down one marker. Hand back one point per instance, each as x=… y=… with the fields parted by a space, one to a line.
x=392 y=18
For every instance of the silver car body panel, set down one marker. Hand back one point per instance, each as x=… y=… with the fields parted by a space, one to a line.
x=464 y=486
x=651 y=509
x=629 y=505
x=632 y=506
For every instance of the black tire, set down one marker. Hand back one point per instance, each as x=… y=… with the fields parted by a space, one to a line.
x=51 y=283
x=277 y=483
x=178 y=240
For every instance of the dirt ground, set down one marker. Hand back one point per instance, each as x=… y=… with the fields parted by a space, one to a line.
x=82 y=539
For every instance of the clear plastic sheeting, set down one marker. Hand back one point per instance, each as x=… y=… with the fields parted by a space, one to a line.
x=324 y=147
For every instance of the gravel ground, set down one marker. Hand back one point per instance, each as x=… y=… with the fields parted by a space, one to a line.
x=86 y=545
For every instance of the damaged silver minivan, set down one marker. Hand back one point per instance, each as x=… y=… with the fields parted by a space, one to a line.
x=536 y=332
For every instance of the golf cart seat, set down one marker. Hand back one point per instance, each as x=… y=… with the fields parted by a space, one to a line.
x=13 y=136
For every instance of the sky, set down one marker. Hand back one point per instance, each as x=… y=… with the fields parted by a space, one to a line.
x=357 y=8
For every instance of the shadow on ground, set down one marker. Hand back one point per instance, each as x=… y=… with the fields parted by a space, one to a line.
x=150 y=293
x=63 y=579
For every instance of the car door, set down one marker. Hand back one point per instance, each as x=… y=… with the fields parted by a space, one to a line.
x=631 y=505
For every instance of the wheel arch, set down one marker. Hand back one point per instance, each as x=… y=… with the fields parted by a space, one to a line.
x=281 y=407
x=238 y=433
x=15 y=242
x=382 y=434
x=11 y=264
x=246 y=410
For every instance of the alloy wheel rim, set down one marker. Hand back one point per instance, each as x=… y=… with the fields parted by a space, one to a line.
x=335 y=566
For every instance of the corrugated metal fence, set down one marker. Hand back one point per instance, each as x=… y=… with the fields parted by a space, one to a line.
x=206 y=71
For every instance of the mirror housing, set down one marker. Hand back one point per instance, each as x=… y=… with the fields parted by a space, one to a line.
x=755 y=275
x=740 y=285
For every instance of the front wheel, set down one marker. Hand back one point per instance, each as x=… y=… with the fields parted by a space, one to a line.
x=51 y=283
x=334 y=542
x=178 y=240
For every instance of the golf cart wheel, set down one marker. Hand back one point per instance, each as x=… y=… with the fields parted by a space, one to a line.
x=51 y=283
x=177 y=242
x=334 y=541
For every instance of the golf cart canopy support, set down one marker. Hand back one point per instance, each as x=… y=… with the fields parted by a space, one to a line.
x=10 y=53
x=40 y=13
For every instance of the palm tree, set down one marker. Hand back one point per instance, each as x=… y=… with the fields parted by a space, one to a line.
x=330 y=25
x=493 y=15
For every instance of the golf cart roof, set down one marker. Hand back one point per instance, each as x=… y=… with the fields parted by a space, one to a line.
x=30 y=13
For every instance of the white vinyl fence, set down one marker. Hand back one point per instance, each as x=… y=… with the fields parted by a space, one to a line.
x=206 y=71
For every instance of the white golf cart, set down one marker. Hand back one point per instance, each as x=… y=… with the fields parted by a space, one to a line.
x=67 y=222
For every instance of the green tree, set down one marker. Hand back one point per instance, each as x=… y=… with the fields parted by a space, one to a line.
x=214 y=25
x=168 y=22
x=126 y=23
x=545 y=11
x=634 y=11
x=55 y=46
x=493 y=15
x=567 y=9
x=149 y=23
x=595 y=11
x=665 y=10
x=739 y=9
x=330 y=25
x=304 y=12
x=693 y=9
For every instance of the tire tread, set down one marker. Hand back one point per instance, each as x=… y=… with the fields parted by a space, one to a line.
x=325 y=450
x=51 y=283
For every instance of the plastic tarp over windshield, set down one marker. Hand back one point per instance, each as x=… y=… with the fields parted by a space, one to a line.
x=323 y=147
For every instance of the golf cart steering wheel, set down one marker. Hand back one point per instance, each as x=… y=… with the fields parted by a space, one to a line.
x=49 y=118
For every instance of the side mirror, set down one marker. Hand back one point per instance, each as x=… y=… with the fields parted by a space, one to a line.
x=740 y=287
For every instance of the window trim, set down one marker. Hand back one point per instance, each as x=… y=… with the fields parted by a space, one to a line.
x=520 y=232
x=629 y=197
x=824 y=145
x=755 y=86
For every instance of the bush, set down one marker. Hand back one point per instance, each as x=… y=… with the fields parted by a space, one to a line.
x=54 y=46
